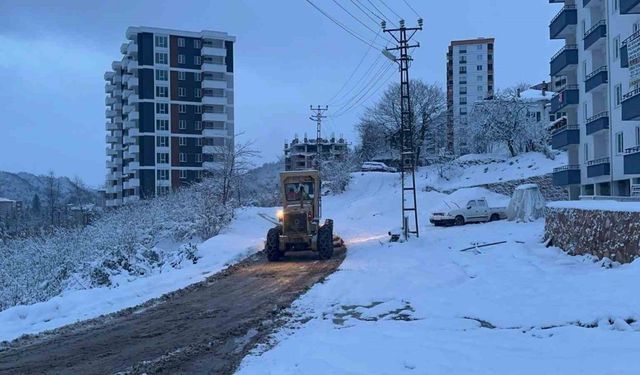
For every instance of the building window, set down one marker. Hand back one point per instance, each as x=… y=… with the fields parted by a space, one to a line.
x=182 y=108
x=637 y=135
x=616 y=4
x=182 y=141
x=162 y=141
x=480 y=78
x=198 y=125
x=197 y=76
x=162 y=125
x=182 y=92
x=180 y=59
x=480 y=88
x=586 y=152
x=182 y=124
x=217 y=141
x=161 y=58
x=479 y=47
x=619 y=142
x=197 y=60
x=183 y=157
x=182 y=76
x=162 y=108
x=197 y=93
x=479 y=67
x=198 y=141
x=163 y=174
x=183 y=173
x=616 y=47
x=585 y=110
x=162 y=91
x=163 y=190
x=162 y=75
x=462 y=51
x=198 y=158
x=197 y=43
x=161 y=41
x=180 y=42
x=618 y=96
x=162 y=158
x=198 y=109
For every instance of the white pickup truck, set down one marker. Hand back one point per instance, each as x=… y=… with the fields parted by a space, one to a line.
x=476 y=211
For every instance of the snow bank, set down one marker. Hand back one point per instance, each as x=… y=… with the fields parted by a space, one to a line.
x=603 y=205
x=245 y=236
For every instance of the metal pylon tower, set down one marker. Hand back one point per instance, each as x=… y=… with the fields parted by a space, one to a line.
x=317 y=117
x=403 y=35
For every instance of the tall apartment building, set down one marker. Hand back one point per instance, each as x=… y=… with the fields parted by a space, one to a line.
x=596 y=75
x=169 y=111
x=301 y=153
x=469 y=78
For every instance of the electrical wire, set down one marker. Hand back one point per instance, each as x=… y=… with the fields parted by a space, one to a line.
x=392 y=11
x=359 y=21
x=372 y=68
x=345 y=28
x=379 y=11
x=382 y=83
x=410 y=7
x=359 y=6
x=357 y=99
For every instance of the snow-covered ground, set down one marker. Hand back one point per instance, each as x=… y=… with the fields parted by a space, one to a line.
x=474 y=169
x=243 y=237
x=425 y=307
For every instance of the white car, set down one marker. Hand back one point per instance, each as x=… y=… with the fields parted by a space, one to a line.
x=476 y=211
x=375 y=166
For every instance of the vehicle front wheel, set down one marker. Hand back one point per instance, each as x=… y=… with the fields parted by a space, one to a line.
x=459 y=220
x=494 y=217
x=272 y=247
x=325 y=242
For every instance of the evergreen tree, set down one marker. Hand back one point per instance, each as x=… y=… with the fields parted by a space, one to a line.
x=36 y=206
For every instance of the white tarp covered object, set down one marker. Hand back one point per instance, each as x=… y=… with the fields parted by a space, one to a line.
x=527 y=204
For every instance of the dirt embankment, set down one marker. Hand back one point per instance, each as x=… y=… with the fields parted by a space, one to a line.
x=206 y=328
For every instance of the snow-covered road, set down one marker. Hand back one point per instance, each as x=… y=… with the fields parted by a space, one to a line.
x=426 y=307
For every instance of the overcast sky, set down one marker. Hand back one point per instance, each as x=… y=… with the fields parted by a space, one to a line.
x=53 y=55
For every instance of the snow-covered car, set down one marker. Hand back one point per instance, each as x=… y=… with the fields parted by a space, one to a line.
x=476 y=211
x=376 y=166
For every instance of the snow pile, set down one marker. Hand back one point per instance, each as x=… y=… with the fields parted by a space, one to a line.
x=602 y=205
x=426 y=307
x=474 y=170
x=527 y=204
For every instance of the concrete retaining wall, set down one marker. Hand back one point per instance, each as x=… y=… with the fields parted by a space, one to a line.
x=611 y=234
x=548 y=190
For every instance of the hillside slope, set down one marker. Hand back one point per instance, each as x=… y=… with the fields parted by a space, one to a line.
x=23 y=186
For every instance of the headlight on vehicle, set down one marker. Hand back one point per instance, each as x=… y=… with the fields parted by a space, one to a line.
x=280 y=215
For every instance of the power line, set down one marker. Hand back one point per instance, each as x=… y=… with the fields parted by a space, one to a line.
x=410 y=7
x=352 y=73
x=357 y=98
x=392 y=11
x=383 y=83
x=345 y=28
x=359 y=21
x=362 y=78
x=359 y=6
x=379 y=11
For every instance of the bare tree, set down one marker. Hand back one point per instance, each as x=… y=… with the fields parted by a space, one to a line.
x=52 y=196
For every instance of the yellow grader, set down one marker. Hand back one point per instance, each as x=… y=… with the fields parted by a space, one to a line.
x=299 y=227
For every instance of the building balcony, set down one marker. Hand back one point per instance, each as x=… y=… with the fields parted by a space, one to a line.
x=112 y=139
x=214 y=132
x=131 y=183
x=109 y=88
x=134 y=115
x=598 y=122
x=113 y=125
x=598 y=167
x=631 y=106
x=133 y=149
x=112 y=151
x=110 y=113
x=110 y=100
x=565 y=137
x=130 y=124
x=566 y=175
x=564 y=23
x=629 y=6
x=213 y=84
x=565 y=60
x=127 y=93
x=214 y=100
x=595 y=35
x=212 y=149
x=213 y=51
x=133 y=99
x=207 y=116
x=210 y=67
x=132 y=66
x=129 y=140
x=632 y=160
x=117 y=92
x=111 y=163
x=132 y=48
x=596 y=79
x=130 y=199
x=128 y=108
x=212 y=165
x=108 y=76
x=569 y=96
x=132 y=82
x=624 y=49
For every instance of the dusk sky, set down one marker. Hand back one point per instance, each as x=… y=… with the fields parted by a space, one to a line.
x=53 y=55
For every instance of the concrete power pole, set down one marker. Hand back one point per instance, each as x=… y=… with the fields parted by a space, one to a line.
x=317 y=117
x=407 y=148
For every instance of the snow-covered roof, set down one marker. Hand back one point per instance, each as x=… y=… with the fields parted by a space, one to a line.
x=527 y=187
x=535 y=95
x=6 y=200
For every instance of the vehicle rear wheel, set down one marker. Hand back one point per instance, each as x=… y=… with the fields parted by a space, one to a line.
x=459 y=220
x=325 y=242
x=494 y=217
x=272 y=247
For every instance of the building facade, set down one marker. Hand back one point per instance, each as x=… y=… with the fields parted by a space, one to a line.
x=597 y=103
x=470 y=78
x=301 y=154
x=169 y=111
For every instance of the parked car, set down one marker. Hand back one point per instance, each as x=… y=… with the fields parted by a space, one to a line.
x=376 y=166
x=476 y=211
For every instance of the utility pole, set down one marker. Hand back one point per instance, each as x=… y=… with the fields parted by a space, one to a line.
x=317 y=117
x=407 y=150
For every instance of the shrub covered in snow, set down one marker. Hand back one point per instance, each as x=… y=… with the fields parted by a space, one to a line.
x=527 y=204
x=134 y=240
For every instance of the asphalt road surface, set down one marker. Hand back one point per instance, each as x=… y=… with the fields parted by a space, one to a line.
x=206 y=328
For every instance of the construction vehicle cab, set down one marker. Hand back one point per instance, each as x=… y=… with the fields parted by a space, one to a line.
x=299 y=225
